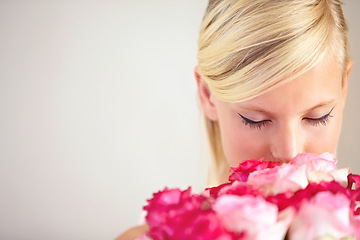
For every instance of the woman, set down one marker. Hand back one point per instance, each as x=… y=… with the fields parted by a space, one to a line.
x=272 y=80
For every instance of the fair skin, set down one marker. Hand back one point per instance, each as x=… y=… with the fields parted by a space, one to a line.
x=303 y=115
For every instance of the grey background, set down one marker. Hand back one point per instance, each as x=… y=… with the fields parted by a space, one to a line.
x=99 y=110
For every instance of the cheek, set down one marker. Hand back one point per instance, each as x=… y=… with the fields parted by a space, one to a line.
x=325 y=139
x=241 y=143
x=335 y=131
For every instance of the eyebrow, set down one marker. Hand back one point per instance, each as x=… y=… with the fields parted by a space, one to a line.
x=322 y=105
x=262 y=110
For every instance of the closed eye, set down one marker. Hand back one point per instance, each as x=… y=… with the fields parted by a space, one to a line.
x=323 y=120
x=254 y=124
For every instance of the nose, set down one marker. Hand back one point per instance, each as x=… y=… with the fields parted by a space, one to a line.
x=286 y=143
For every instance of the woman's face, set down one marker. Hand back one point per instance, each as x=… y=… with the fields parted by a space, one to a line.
x=303 y=115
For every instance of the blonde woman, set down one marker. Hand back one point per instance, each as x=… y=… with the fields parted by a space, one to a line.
x=272 y=80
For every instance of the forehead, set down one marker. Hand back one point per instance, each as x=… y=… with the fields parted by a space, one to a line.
x=321 y=84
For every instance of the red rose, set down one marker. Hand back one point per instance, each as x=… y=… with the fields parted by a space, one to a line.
x=241 y=173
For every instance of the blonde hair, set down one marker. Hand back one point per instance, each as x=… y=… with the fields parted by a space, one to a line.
x=248 y=47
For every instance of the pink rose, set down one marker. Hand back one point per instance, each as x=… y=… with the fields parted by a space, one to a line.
x=160 y=202
x=200 y=225
x=252 y=216
x=355 y=221
x=321 y=167
x=242 y=172
x=235 y=188
x=165 y=206
x=353 y=181
x=311 y=157
x=354 y=192
x=214 y=191
x=290 y=199
x=177 y=215
x=313 y=162
x=325 y=215
x=307 y=198
x=279 y=179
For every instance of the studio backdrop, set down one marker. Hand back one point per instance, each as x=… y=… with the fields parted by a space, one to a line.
x=98 y=110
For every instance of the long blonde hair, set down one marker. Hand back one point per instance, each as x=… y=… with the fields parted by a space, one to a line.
x=248 y=47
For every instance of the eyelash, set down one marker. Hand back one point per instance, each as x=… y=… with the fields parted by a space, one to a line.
x=321 y=120
x=254 y=124
x=313 y=121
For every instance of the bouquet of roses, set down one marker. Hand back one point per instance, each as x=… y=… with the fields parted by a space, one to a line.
x=308 y=198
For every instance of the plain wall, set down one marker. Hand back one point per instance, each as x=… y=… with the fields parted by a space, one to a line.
x=99 y=110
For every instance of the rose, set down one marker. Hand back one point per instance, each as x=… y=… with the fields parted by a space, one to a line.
x=215 y=191
x=160 y=202
x=241 y=173
x=261 y=201
x=164 y=206
x=175 y=214
x=279 y=179
x=353 y=181
x=326 y=215
x=200 y=225
x=321 y=168
x=252 y=216
x=295 y=199
x=235 y=188
x=269 y=177
x=273 y=179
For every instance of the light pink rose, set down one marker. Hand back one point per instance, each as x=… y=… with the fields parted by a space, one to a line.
x=321 y=168
x=355 y=221
x=324 y=162
x=325 y=215
x=279 y=179
x=252 y=216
